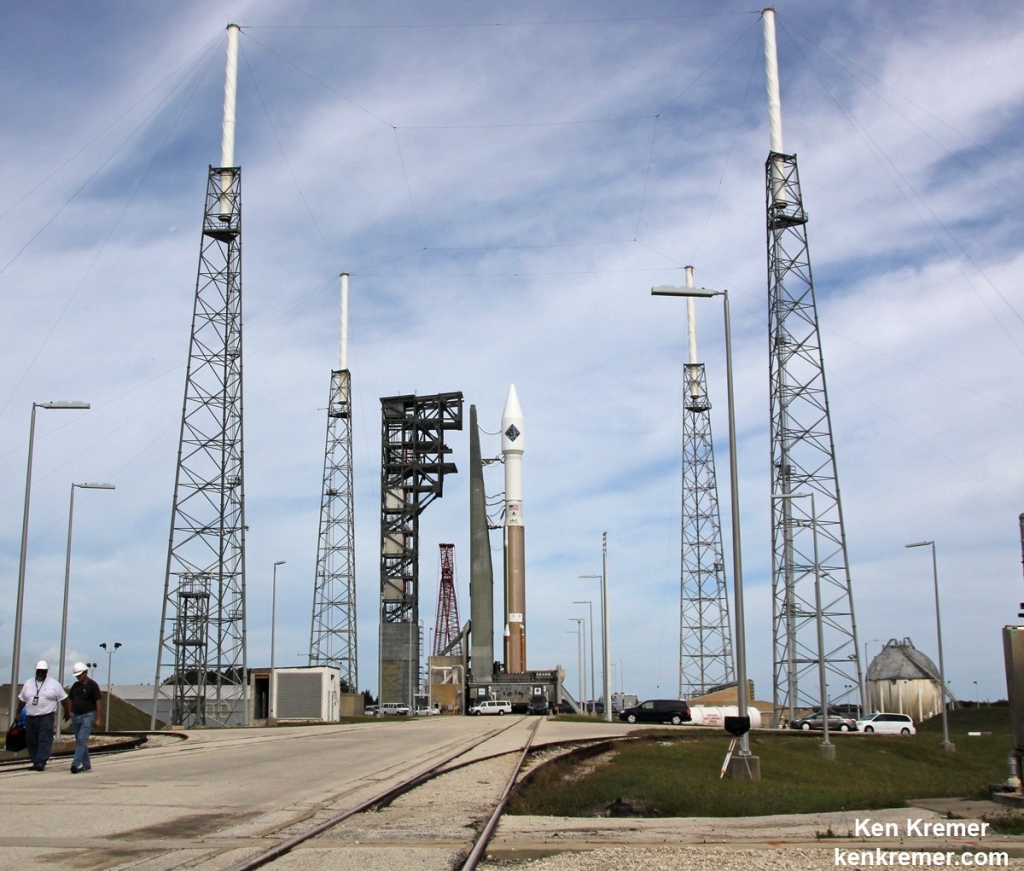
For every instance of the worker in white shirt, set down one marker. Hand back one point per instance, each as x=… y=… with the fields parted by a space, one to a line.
x=39 y=698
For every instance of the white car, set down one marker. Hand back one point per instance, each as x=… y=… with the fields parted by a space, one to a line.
x=887 y=724
x=424 y=711
x=491 y=706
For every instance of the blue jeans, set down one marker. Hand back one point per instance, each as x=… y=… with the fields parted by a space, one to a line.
x=39 y=738
x=81 y=725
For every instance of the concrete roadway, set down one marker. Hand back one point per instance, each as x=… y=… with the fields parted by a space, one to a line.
x=159 y=807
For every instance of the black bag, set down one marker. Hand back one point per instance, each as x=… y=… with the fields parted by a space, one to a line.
x=16 y=738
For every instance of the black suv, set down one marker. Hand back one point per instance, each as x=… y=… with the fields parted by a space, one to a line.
x=674 y=711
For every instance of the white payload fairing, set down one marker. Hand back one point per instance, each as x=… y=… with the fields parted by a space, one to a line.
x=513 y=444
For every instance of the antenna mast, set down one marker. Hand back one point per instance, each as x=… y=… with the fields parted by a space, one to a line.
x=332 y=639
x=202 y=627
x=803 y=451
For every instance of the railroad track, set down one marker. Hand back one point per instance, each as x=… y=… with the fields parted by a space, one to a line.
x=433 y=809
x=316 y=829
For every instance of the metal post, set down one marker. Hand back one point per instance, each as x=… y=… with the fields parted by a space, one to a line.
x=272 y=707
x=581 y=662
x=110 y=681
x=946 y=744
x=16 y=650
x=589 y=603
x=740 y=646
x=67 y=581
x=605 y=640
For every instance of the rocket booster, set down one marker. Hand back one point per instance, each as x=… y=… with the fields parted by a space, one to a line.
x=513 y=445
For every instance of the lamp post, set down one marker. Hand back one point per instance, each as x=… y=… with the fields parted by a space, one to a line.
x=753 y=771
x=827 y=749
x=578 y=632
x=946 y=744
x=606 y=668
x=590 y=604
x=272 y=707
x=16 y=650
x=110 y=682
x=582 y=622
x=864 y=689
x=67 y=578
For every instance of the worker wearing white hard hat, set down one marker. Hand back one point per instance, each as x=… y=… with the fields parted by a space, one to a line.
x=86 y=702
x=39 y=698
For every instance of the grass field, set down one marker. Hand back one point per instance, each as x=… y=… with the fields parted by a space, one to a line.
x=675 y=772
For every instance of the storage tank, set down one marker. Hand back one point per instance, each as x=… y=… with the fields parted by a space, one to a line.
x=902 y=680
x=714 y=715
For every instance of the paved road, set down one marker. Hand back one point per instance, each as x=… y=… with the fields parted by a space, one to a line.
x=220 y=790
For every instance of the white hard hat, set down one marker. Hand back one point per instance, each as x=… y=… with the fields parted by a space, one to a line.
x=42 y=666
x=79 y=668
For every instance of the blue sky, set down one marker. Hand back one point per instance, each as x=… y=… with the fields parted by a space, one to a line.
x=505 y=182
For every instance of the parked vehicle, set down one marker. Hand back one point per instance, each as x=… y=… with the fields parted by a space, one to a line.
x=887 y=724
x=370 y=710
x=538 y=708
x=425 y=711
x=394 y=709
x=836 y=723
x=621 y=701
x=491 y=706
x=674 y=711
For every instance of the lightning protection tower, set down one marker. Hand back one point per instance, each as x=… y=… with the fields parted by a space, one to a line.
x=332 y=639
x=705 y=636
x=803 y=458
x=202 y=628
x=412 y=475
x=446 y=628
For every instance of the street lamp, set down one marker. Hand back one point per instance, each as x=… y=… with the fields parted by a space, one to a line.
x=272 y=708
x=864 y=689
x=581 y=628
x=946 y=744
x=67 y=578
x=606 y=667
x=828 y=750
x=593 y=690
x=110 y=662
x=754 y=772
x=579 y=656
x=16 y=651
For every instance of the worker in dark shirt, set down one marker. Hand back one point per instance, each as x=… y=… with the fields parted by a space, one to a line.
x=86 y=703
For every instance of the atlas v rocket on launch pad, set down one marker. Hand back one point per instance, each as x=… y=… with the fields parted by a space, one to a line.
x=508 y=679
x=513 y=445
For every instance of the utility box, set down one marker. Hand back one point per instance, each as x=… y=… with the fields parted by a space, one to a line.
x=1013 y=650
x=307 y=694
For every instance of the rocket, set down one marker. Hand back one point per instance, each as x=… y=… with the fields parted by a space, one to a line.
x=513 y=444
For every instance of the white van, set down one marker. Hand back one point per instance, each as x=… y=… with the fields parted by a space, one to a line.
x=392 y=708
x=887 y=724
x=491 y=706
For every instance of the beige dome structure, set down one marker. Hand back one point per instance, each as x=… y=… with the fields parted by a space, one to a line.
x=903 y=680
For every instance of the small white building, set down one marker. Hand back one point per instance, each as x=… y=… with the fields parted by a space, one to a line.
x=304 y=694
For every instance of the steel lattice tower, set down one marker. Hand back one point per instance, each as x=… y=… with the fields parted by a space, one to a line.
x=413 y=468
x=446 y=626
x=202 y=629
x=803 y=458
x=705 y=636
x=333 y=633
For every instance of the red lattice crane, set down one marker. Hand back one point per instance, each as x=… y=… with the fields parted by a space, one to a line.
x=446 y=629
